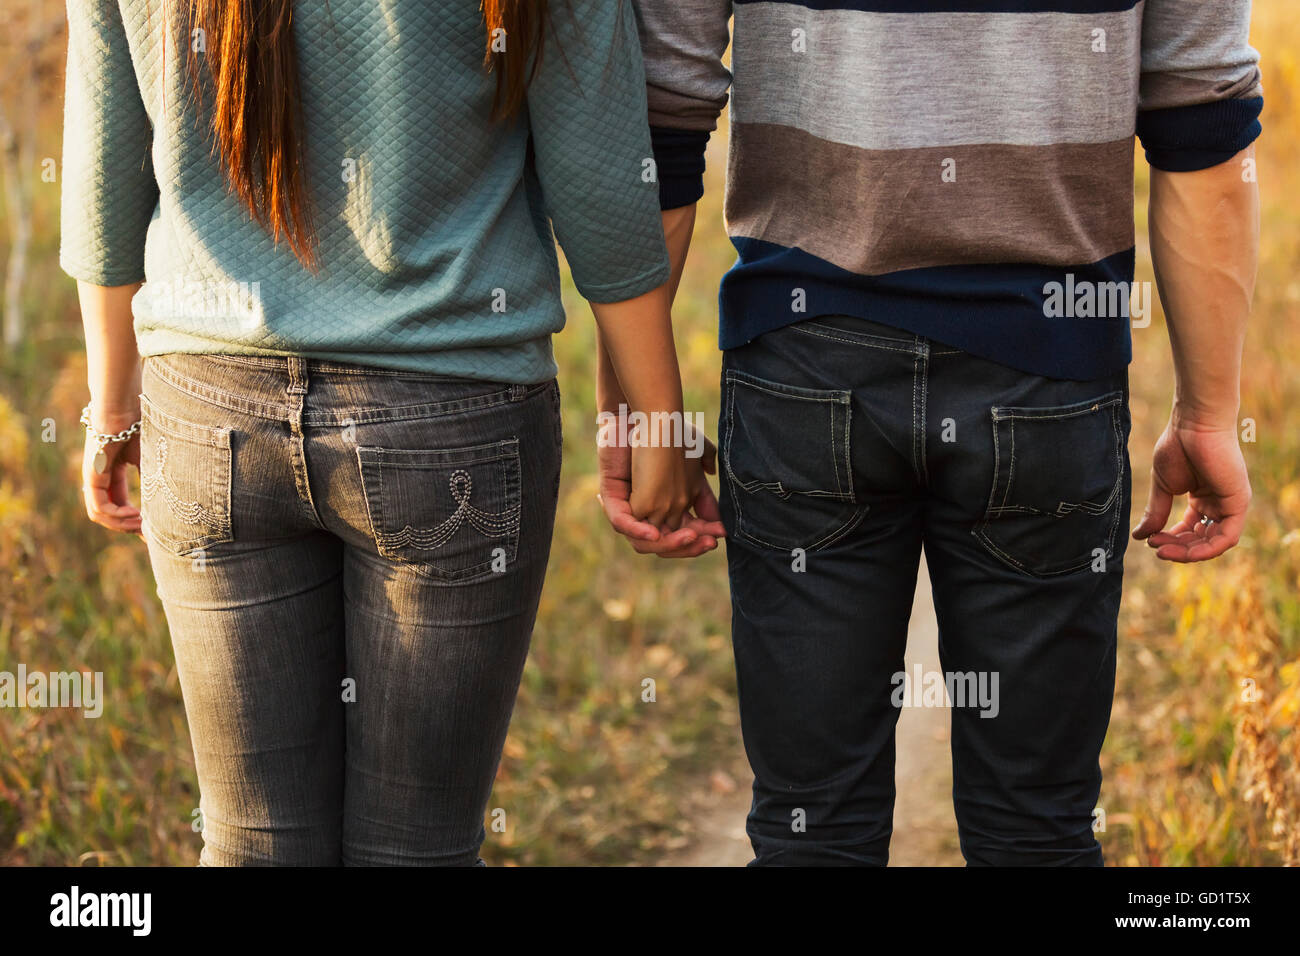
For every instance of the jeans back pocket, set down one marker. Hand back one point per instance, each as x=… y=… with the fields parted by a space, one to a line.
x=785 y=455
x=1057 y=486
x=453 y=513
x=185 y=470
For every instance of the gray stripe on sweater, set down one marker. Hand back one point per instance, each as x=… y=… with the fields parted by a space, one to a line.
x=1193 y=52
x=909 y=80
x=684 y=40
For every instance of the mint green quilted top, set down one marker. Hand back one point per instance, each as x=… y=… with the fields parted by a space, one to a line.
x=436 y=226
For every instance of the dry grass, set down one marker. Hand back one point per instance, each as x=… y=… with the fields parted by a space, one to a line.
x=1203 y=759
x=1197 y=772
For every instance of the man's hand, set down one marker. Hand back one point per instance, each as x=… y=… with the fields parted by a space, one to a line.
x=700 y=532
x=1206 y=464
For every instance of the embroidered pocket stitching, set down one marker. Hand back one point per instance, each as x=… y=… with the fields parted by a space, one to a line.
x=490 y=524
x=191 y=512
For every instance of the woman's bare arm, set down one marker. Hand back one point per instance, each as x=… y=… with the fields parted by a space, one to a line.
x=113 y=376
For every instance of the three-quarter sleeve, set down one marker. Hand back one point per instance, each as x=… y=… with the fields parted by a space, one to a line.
x=591 y=141
x=1200 y=94
x=109 y=190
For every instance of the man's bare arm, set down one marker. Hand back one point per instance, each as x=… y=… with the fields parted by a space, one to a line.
x=1204 y=228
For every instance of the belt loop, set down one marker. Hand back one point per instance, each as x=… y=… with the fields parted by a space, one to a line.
x=297 y=375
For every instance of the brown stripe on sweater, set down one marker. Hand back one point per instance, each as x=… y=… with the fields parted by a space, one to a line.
x=877 y=211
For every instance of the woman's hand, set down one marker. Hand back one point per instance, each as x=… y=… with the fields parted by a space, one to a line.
x=107 y=499
x=661 y=486
x=699 y=532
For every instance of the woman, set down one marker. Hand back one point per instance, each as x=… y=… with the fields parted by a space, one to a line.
x=331 y=224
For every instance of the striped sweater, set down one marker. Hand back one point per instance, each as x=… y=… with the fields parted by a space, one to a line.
x=959 y=169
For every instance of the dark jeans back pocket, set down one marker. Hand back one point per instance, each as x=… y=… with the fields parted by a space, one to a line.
x=185 y=472
x=453 y=513
x=1057 y=486
x=785 y=455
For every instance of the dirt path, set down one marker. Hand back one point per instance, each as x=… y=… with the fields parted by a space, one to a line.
x=925 y=832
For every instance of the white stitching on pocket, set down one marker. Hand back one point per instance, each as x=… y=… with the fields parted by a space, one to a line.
x=419 y=547
x=179 y=523
x=491 y=524
x=191 y=512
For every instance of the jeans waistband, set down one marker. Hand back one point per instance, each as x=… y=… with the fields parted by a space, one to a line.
x=324 y=392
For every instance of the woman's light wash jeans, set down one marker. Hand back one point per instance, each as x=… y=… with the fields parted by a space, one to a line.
x=350 y=561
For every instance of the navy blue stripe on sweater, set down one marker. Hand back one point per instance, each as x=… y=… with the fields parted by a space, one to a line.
x=997 y=312
x=960 y=6
x=1182 y=139
x=679 y=156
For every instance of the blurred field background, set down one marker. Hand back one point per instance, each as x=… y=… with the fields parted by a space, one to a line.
x=1202 y=761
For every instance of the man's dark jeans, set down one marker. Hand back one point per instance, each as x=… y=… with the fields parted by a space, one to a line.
x=846 y=447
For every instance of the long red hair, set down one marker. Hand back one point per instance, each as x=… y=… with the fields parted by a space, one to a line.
x=256 y=116
x=521 y=24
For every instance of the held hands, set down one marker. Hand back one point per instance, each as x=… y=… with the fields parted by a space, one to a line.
x=648 y=495
x=648 y=486
x=662 y=487
x=1204 y=462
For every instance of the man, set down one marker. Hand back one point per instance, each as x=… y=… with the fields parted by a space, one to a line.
x=926 y=344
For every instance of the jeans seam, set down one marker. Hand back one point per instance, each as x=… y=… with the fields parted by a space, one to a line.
x=1011 y=461
x=298 y=462
x=848 y=341
x=404 y=413
x=918 y=410
x=835 y=458
x=923 y=350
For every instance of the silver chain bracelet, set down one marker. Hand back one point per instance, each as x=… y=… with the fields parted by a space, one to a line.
x=103 y=438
